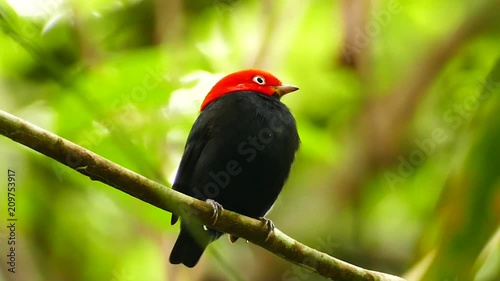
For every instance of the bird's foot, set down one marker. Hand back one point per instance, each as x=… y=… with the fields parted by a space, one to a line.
x=217 y=210
x=269 y=224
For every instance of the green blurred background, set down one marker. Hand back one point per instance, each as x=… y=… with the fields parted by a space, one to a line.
x=398 y=112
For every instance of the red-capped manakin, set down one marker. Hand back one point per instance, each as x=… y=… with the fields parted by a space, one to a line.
x=238 y=154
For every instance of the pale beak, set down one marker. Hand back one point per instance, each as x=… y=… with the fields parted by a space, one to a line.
x=285 y=89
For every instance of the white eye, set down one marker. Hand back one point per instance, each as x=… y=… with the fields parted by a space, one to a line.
x=259 y=80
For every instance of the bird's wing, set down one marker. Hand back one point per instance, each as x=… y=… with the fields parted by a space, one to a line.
x=196 y=142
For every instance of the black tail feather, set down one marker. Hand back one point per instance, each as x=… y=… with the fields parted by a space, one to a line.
x=186 y=250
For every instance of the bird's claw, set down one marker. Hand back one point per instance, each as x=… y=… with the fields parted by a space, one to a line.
x=269 y=224
x=217 y=210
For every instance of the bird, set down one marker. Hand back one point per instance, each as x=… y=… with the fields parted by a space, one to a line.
x=238 y=155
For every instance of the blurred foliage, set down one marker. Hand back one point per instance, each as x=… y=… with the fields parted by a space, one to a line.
x=398 y=113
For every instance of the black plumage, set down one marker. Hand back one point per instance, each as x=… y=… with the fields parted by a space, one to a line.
x=238 y=153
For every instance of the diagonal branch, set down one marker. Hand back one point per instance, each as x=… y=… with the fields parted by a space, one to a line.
x=103 y=170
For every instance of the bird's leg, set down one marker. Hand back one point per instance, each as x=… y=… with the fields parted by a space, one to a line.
x=232 y=238
x=269 y=224
x=217 y=210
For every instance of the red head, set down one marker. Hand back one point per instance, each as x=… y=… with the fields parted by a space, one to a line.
x=247 y=80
